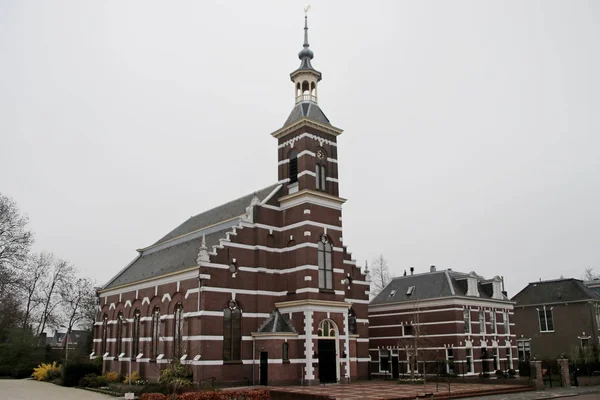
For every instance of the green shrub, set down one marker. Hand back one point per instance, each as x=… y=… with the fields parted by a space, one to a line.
x=93 y=381
x=73 y=372
x=176 y=376
x=155 y=388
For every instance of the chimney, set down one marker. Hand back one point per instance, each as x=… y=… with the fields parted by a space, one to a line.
x=412 y=270
x=432 y=268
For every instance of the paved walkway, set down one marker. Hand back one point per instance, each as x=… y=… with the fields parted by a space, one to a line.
x=577 y=393
x=28 y=389
x=391 y=390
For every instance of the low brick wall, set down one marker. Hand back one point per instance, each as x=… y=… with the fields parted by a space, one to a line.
x=478 y=380
x=588 y=380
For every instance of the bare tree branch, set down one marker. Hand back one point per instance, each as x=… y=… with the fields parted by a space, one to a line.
x=380 y=275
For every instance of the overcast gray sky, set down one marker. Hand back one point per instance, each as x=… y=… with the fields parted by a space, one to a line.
x=472 y=130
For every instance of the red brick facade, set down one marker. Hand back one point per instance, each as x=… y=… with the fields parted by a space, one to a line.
x=266 y=267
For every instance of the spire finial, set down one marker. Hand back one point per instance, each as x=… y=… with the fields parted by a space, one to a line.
x=306 y=26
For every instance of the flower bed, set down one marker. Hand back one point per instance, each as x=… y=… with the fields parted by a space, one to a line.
x=212 y=395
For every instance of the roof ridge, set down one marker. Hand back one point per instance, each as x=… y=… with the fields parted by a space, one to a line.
x=231 y=201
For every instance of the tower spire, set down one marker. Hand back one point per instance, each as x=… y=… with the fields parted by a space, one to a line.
x=306 y=45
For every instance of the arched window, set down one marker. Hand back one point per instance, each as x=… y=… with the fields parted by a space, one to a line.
x=285 y=356
x=135 y=344
x=155 y=331
x=232 y=332
x=326 y=329
x=325 y=263
x=104 y=333
x=119 y=333
x=352 y=322
x=178 y=331
x=293 y=166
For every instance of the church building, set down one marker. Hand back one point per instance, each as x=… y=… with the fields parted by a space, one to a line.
x=259 y=290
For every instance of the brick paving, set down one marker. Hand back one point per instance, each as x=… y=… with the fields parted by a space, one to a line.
x=581 y=393
x=393 y=390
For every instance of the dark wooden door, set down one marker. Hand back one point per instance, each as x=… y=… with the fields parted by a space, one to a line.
x=264 y=368
x=327 y=361
x=395 y=373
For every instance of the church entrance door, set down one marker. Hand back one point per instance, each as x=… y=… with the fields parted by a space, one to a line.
x=264 y=368
x=327 y=361
x=395 y=373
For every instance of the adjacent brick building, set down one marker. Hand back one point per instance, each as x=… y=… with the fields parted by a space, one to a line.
x=261 y=289
x=556 y=318
x=441 y=321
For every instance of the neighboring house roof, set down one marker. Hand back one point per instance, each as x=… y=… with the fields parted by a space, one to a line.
x=431 y=285
x=178 y=250
x=276 y=323
x=307 y=110
x=554 y=291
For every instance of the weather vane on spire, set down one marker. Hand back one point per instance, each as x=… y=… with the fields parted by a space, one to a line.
x=306 y=9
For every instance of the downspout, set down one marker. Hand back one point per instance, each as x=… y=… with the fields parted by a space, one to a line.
x=253 y=358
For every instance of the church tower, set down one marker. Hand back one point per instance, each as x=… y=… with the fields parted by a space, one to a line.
x=307 y=140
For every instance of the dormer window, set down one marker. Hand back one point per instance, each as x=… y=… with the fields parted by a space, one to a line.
x=392 y=293
x=410 y=290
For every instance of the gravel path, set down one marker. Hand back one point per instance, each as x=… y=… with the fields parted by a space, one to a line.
x=28 y=389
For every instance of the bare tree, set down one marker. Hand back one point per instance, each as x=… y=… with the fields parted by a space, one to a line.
x=61 y=272
x=15 y=239
x=78 y=298
x=380 y=275
x=589 y=274
x=32 y=277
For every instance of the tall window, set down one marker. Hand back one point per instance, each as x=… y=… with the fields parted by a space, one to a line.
x=325 y=264
x=104 y=333
x=546 y=321
x=384 y=360
x=493 y=321
x=135 y=334
x=321 y=177
x=232 y=332
x=285 y=356
x=119 y=333
x=481 y=321
x=293 y=166
x=155 y=331
x=467 y=319
x=524 y=347
x=178 y=331
x=496 y=357
x=352 y=322
x=450 y=360
x=469 y=359
x=506 y=322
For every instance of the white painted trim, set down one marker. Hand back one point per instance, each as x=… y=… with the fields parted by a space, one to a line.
x=271 y=195
x=302 y=136
x=307 y=172
x=413 y=312
x=291 y=226
x=444 y=301
x=332 y=179
x=333 y=160
x=311 y=199
x=419 y=324
x=357 y=301
x=152 y=282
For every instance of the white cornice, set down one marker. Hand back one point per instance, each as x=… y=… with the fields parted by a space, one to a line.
x=440 y=302
x=330 y=129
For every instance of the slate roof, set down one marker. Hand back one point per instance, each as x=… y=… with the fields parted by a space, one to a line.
x=276 y=323
x=554 y=291
x=308 y=110
x=178 y=250
x=431 y=285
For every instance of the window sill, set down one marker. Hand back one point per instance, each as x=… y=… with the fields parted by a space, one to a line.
x=327 y=291
x=547 y=331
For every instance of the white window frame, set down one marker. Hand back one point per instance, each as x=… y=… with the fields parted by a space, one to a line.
x=494 y=327
x=546 y=311
x=381 y=351
x=467 y=319
x=521 y=345
x=509 y=357
x=450 y=359
x=469 y=360
x=506 y=320
x=482 y=321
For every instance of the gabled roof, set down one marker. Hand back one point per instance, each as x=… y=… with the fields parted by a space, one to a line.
x=308 y=110
x=276 y=323
x=554 y=291
x=178 y=250
x=432 y=285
